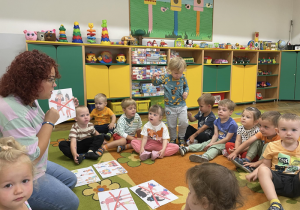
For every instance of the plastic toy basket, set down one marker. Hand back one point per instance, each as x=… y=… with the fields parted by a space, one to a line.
x=142 y=106
x=115 y=107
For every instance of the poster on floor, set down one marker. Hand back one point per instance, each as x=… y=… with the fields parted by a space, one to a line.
x=153 y=194
x=117 y=199
x=85 y=176
x=110 y=168
x=62 y=101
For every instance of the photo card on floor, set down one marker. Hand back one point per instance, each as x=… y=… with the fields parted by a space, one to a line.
x=85 y=176
x=109 y=168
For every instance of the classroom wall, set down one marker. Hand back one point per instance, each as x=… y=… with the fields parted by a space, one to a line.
x=235 y=21
x=296 y=23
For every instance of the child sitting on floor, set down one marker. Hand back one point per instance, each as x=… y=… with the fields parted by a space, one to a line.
x=155 y=133
x=257 y=143
x=249 y=128
x=83 y=138
x=205 y=119
x=16 y=175
x=279 y=174
x=105 y=119
x=225 y=130
x=209 y=184
x=128 y=125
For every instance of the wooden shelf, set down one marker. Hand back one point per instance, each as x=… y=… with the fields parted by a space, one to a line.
x=149 y=64
x=216 y=64
x=269 y=75
x=265 y=100
x=226 y=91
x=195 y=64
x=244 y=64
x=268 y=63
x=263 y=88
x=108 y=64
x=141 y=80
x=145 y=97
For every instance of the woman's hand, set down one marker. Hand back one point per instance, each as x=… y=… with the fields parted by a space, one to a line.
x=51 y=115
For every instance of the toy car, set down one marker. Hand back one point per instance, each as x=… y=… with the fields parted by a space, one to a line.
x=268 y=84
x=246 y=60
x=258 y=96
x=259 y=72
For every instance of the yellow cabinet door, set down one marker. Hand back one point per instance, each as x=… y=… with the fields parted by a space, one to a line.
x=237 y=83
x=250 y=83
x=119 y=81
x=96 y=80
x=194 y=79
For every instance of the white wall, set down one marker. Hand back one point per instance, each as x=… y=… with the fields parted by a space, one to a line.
x=235 y=21
x=296 y=23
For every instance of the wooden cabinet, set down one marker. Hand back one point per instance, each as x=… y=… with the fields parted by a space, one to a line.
x=216 y=78
x=94 y=84
x=243 y=83
x=290 y=76
x=194 y=79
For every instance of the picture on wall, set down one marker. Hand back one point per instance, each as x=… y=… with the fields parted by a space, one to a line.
x=186 y=19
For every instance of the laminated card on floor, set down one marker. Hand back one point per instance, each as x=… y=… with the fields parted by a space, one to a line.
x=85 y=176
x=153 y=194
x=120 y=199
x=110 y=168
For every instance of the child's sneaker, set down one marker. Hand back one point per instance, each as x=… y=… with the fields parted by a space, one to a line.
x=120 y=148
x=107 y=136
x=274 y=206
x=92 y=156
x=173 y=141
x=145 y=155
x=183 y=151
x=225 y=153
x=198 y=158
x=181 y=142
x=80 y=158
x=239 y=163
x=154 y=155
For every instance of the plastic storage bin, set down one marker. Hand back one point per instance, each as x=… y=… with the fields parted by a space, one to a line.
x=115 y=107
x=142 y=106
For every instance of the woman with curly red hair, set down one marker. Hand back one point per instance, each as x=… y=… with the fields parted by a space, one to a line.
x=32 y=76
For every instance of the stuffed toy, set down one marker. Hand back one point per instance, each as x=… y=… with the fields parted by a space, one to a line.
x=40 y=36
x=51 y=31
x=30 y=35
x=50 y=36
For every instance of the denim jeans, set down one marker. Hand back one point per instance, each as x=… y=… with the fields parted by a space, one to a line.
x=52 y=191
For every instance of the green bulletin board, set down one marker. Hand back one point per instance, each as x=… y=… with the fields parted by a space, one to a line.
x=186 y=19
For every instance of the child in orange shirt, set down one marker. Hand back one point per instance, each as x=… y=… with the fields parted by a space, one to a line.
x=105 y=119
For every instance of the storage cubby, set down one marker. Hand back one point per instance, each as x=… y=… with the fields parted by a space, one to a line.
x=268 y=94
x=252 y=56
x=219 y=54
x=191 y=52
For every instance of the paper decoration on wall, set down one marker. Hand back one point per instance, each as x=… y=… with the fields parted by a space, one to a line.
x=62 y=100
x=85 y=176
x=110 y=168
x=153 y=194
x=186 y=19
x=117 y=199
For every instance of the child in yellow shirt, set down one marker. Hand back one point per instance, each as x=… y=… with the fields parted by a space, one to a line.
x=105 y=119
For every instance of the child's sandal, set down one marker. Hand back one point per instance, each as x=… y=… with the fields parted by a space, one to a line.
x=100 y=151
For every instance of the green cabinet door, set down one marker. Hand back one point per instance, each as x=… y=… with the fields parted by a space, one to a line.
x=70 y=67
x=297 y=82
x=287 y=76
x=209 y=78
x=223 y=78
x=51 y=51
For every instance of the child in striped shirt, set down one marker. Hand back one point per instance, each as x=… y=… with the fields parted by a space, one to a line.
x=128 y=125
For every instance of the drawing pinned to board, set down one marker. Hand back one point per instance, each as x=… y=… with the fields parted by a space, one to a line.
x=62 y=100
x=117 y=199
x=186 y=19
x=85 y=176
x=110 y=168
x=153 y=194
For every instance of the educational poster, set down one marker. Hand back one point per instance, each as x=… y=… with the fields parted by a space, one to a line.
x=85 y=176
x=62 y=100
x=110 y=168
x=153 y=194
x=117 y=199
x=186 y=19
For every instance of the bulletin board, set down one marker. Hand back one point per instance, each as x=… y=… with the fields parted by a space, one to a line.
x=186 y=19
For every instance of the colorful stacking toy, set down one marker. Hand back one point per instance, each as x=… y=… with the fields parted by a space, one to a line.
x=76 y=33
x=90 y=36
x=62 y=34
x=104 y=37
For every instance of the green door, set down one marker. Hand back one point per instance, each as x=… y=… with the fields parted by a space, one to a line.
x=223 y=78
x=287 y=76
x=70 y=67
x=297 y=82
x=51 y=51
x=209 y=78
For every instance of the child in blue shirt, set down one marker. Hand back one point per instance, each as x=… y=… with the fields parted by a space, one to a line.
x=205 y=119
x=225 y=131
x=176 y=91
